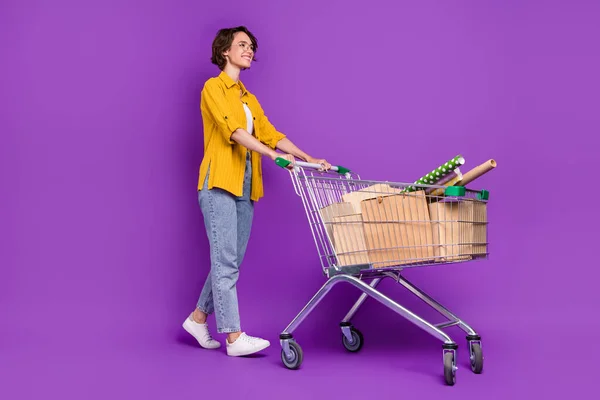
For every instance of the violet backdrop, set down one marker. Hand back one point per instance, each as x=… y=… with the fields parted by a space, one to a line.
x=103 y=248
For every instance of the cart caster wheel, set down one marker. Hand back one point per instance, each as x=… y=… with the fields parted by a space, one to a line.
x=449 y=368
x=357 y=341
x=293 y=360
x=476 y=357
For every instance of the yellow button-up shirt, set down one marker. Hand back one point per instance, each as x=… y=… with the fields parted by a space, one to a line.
x=222 y=114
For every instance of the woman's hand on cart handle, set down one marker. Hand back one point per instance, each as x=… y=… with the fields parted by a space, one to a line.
x=285 y=163
x=321 y=161
x=287 y=157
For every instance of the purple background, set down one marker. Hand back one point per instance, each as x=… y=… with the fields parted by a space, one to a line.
x=103 y=251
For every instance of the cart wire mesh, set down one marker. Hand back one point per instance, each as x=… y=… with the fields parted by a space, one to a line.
x=365 y=226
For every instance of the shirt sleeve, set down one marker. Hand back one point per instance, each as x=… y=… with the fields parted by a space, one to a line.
x=269 y=135
x=214 y=104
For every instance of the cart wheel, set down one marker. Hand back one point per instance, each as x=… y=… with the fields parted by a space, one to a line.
x=296 y=356
x=356 y=343
x=476 y=358
x=449 y=370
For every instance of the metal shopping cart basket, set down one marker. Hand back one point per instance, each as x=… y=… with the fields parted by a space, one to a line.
x=366 y=231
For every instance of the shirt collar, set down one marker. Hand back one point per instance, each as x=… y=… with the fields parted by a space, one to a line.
x=230 y=82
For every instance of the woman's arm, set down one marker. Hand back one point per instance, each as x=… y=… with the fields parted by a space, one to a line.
x=244 y=138
x=289 y=147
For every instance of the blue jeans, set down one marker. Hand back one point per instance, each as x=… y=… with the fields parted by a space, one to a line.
x=228 y=220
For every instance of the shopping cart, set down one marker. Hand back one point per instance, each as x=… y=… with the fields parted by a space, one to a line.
x=366 y=231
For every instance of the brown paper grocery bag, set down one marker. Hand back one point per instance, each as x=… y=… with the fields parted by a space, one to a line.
x=349 y=238
x=330 y=212
x=370 y=192
x=398 y=229
x=480 y=245
x=459 y=229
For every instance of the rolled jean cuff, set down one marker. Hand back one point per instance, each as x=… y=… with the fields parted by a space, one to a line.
x=228 y=330
x=203 y=310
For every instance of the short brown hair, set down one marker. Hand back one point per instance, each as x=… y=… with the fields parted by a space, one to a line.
x=223 y=41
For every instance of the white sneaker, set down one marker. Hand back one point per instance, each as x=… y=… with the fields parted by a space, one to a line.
x=245 y=345
x=201 y=333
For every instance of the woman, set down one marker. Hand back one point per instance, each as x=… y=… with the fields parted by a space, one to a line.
x=237 y=133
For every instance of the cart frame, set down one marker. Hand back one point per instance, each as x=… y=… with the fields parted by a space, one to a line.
x=316 y=188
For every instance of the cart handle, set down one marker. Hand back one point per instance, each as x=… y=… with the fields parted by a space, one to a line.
x=283 y=163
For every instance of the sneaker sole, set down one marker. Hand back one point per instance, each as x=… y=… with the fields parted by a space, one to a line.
x=247 y=353
x=189 y=330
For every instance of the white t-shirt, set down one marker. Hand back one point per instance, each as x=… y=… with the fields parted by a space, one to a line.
x=250 y=124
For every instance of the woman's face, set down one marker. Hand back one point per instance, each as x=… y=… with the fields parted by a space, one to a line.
x=241 y=52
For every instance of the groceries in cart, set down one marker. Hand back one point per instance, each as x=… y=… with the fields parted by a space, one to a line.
x=433 y=220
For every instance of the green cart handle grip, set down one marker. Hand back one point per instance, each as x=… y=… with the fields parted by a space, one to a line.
x=483 y=195
x=283 y=163
x=460 y=191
